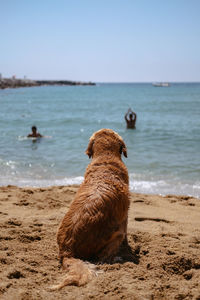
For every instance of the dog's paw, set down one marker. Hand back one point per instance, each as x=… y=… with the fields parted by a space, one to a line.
x=111 y=260
x=117 y=259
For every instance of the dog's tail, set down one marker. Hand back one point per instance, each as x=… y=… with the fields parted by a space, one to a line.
x=78 y=273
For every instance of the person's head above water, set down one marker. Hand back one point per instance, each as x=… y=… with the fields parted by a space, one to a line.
x=34 y=128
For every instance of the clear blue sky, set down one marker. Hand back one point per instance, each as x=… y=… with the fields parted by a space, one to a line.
x=101 y=40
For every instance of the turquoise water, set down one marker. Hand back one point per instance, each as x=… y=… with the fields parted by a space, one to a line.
x=163 y=151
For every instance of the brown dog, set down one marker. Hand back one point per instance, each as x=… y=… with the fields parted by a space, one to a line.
x=96 y=223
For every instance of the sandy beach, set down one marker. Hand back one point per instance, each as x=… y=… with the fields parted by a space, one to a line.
x=163 y=261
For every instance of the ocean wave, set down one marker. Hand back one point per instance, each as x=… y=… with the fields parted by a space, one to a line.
x=24 y=182
x=165 y=187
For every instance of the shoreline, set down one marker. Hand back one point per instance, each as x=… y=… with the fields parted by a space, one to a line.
x=135 y=186
x=163 y=233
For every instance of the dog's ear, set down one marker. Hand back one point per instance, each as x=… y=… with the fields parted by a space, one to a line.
x=89 y=150
x=123 y=149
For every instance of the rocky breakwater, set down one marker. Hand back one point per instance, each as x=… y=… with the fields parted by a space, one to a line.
x=16 y=83
x=62 y=82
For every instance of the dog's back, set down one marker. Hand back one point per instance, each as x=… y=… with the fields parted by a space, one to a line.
x=96 y=223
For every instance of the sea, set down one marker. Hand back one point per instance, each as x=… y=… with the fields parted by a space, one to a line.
x=163 y=150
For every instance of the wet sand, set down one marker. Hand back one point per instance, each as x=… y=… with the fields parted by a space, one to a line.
x=163 y=261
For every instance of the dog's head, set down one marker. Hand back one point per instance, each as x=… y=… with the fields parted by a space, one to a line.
x=106 y=141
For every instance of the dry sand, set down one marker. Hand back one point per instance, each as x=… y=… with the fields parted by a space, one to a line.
x=163 y=233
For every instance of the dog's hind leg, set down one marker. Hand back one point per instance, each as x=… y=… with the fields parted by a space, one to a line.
x=111 y=248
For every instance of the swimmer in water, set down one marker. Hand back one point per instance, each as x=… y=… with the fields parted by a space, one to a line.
x=130 y=122
x=34 y=133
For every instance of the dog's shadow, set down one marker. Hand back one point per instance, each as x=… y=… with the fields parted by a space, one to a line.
x=127 y=254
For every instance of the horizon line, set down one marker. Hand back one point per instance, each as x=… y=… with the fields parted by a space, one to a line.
x=104 y=82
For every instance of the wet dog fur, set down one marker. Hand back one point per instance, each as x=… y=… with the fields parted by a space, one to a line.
x=96 y=223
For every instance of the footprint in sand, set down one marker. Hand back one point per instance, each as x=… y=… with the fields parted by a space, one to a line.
x=141 y=219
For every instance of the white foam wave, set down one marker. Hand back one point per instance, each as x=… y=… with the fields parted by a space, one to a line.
x=22 y=182
x=164 y=187
x=137 y=185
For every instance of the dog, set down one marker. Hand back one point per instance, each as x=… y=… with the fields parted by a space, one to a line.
x=96 y=223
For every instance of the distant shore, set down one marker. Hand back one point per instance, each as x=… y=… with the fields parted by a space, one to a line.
x=16 y=83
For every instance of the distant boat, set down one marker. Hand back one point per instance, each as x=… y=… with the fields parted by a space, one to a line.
x=165 y=84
